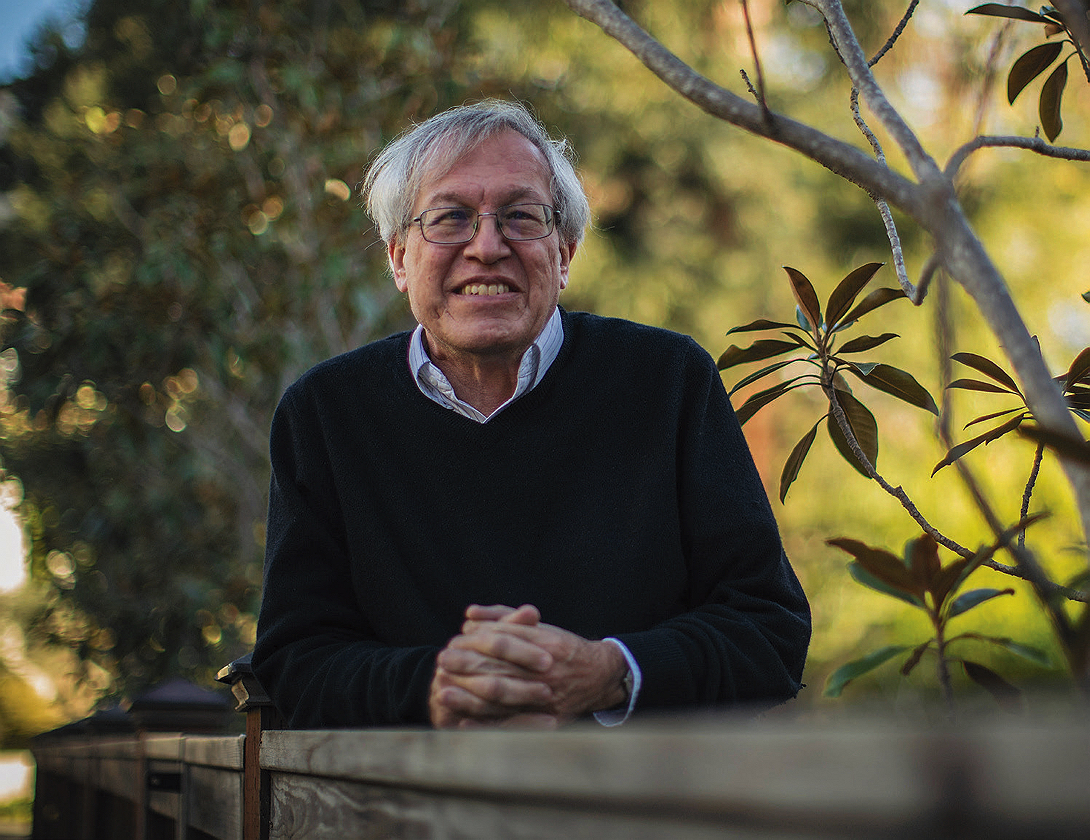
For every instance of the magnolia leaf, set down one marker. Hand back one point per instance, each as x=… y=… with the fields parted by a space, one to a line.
x=974 y=598
x=1086 y=296
x=968 y=446
x=883 y=565
x=846 y=673
x=862 y=576
x=760 y=374
x=866 y=342
x=1029 y=66
x=1030 y=654
x=914 y=659
x=847 y=290
x=900 y=384
x=1052 y=92
x=764 y=348
x=1079 y=370
x=806 y=297
x=1013 y=12
x=859 y=368
x=760 y=324
x=978 y=385
x=988 y=368
x=922 y=558
x=951 y=577
x=1005 y=694
x=877 y=298
x=986 y=417
x=759 y=400
x=864 y=428
x=794 y=461
x=1068 y=446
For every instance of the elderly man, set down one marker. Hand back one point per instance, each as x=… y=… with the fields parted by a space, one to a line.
x=515 y=514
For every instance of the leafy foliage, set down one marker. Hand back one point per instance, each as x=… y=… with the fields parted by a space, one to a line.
x=919 y=578
x=816 y=340
x=1037 y=60
x=1074 y=383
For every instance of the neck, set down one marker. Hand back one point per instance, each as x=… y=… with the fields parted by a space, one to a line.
x=484 y=381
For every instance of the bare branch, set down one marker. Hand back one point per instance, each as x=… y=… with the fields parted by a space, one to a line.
x=835 y=155
x=1033 y=144
x=851 y=53
x=896 y=33
x=762 y=100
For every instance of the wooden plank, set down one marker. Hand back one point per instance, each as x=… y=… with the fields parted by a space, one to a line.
x=322 y=809
x=866 y=775
x=215 y=802
x=215 y=751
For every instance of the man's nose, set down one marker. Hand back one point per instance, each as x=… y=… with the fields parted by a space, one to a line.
x=487 y=243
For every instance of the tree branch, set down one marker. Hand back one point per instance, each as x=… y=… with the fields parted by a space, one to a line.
x=1033 y=144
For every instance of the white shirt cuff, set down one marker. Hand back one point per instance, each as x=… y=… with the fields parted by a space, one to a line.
x=615 y=717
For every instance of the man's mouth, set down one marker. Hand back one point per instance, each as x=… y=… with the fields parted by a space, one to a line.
x=486 y=289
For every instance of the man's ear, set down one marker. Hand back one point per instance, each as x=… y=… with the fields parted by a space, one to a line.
x=567 y=254
x=396 y=252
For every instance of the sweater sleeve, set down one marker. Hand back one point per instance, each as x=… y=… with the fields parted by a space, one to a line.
x=316 y=655
x=745 y=634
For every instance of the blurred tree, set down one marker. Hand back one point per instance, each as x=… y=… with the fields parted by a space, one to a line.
x=181 y=221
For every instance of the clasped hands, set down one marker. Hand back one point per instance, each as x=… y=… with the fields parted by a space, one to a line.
x=509 y=668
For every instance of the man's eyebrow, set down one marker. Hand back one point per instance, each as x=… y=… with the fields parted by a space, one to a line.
x=456 y=198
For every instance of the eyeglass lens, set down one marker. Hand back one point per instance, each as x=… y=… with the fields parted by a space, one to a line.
x=451 y=225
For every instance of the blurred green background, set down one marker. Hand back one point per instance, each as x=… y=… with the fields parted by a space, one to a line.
x=180 y=238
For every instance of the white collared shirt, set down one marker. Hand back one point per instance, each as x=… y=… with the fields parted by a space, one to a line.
x=535 y=363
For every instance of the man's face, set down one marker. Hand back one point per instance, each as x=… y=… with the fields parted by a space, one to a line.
x=488 y=296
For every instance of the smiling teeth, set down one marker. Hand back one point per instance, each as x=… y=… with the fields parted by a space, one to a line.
x=483 y=289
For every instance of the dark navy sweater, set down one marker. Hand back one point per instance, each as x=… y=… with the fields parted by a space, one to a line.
x=618 y=496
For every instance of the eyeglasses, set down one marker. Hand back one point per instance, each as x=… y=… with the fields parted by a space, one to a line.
x=516 y=222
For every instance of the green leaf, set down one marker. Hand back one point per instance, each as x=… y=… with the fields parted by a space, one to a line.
x=881 y=564
x=1030 y=654
x=1013 y=12
x=984 y=418
x=864 y=427
x=806 y=297
x=866 y=342
x=1005 y=694
x=847 y=290
x=989 y=369
x=761 y=324
x=974 y=598
x=764 y=348
x=846 y=673
x=978 y=385
x=760 y=374
x=1080 y=369
x=862 y=576
x=1029 y=66
x=759 y=400
x=968 y=446
x=922 y=558
x=877 y=298
x=900 y=384
x=1052 y=92
x=794 y=461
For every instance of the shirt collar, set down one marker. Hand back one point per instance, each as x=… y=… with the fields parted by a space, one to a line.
x=533 y=366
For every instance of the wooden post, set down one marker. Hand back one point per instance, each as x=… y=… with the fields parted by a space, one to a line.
x=261 y=715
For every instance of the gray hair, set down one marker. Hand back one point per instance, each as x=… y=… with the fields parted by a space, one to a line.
x=394 y=179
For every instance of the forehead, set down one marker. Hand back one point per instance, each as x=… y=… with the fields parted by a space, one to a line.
x=501 y=168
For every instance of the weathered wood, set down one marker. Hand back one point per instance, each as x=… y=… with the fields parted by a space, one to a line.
x=724 y=777
x=867 y=780
x=215 y=801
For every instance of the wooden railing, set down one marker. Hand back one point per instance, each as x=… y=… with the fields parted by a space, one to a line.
x=703 y=777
